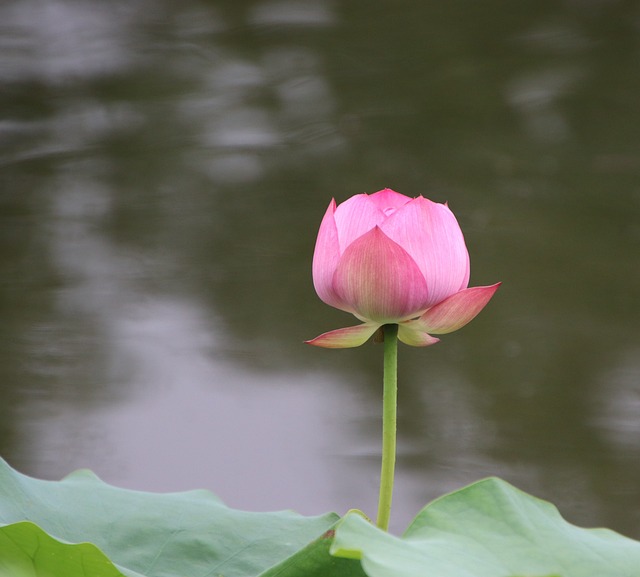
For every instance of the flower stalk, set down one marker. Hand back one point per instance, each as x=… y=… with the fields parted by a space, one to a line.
x=389 y=424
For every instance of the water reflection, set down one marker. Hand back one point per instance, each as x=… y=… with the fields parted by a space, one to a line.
x=190 y=417
x=291 y=13
x=58 y=41
x=621 y=404
x=163 y=171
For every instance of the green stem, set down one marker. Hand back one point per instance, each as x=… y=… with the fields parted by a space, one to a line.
x=389 y=419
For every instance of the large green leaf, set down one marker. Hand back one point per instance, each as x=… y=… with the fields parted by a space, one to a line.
x=82 y=527
x=190 y=534
x=27 y=551
x=315 y=561
x=488 y=529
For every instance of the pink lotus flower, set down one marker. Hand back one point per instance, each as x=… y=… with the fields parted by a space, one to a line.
x=387 y=258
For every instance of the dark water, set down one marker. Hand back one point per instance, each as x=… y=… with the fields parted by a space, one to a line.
x=164 y=167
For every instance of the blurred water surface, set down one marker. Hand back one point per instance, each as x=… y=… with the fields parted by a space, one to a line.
x=164 y=167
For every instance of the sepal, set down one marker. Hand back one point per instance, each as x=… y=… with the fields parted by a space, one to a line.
x=345 y=338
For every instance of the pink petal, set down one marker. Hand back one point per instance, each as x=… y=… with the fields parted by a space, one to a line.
x=345 y=338
x=325 y=259
x=378 y=279
x=414 y=337
x=429 y=232
x=456 y=311
x=354 y=217
x=388 y=201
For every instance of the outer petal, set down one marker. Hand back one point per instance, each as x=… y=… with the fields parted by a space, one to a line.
x=325 y=259
x=430 y=233
x=345 y=338
x=388 y=201
x=456 y=311
x=415 y=338
x=378 y=279
x=354 y=217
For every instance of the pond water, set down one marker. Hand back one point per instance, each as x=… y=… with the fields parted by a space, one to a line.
x=164 y=167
